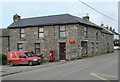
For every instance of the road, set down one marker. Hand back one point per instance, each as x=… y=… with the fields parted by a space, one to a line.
x=103 y=67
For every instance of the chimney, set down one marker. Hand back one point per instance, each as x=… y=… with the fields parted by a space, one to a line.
x=110 y=28
x=113 y=30
x=86 y=17
x=102 y=24
x=107 y=27
x=16 y=17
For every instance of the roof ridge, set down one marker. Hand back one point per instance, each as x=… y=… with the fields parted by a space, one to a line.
x=45 y=16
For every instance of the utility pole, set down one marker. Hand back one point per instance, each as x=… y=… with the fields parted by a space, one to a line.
x=119 y=20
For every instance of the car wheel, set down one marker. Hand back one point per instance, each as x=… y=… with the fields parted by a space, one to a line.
x=30 y=63
x=11 y=64
x=39 y=63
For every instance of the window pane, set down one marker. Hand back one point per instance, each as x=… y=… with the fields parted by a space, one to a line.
x=41 y=34
x=40 y=29
x=22 y=55
x=85 y=28
x=20 y=45
x=22 y=30
x=62 y=34
x=37 y=45
x=22 y=35
x=62 y=28
x=96 y=32
x=85 y=34
x=96 y=47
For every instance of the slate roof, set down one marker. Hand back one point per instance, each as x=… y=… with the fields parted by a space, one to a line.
x=51 y=20
x=116 y=33
x=4 y=32
x=107 y=31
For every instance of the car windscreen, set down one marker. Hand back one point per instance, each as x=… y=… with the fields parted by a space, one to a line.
x=29 y=54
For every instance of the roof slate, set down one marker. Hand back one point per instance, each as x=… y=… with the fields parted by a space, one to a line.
x=51 y=20
x=107 y=31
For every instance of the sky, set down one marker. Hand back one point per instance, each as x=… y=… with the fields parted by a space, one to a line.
x=38 y=8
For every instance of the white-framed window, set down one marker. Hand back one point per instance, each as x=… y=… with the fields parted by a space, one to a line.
x=37 y=48
x=19 y=46
x=40 y=32
x=97 y=34
x=96 y=47
x=62 y=31
x=85 y=32
x=22 y=33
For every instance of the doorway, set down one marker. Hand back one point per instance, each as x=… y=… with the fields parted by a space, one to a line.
x=92 y=48
x=84 y=48
x=62 y=51
x=107 y=47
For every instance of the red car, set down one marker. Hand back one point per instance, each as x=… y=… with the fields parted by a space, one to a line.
x=22 y=57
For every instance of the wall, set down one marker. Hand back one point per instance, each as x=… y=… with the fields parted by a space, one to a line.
x=51 y=40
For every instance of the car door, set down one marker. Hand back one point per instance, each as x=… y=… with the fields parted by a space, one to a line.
x=23 y=59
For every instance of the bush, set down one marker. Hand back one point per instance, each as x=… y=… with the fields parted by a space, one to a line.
x=3 y=59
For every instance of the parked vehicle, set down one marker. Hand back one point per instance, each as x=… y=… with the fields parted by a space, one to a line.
x=22 y=57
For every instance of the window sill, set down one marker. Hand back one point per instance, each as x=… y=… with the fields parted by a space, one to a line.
x=62 y=37
x=22 y=39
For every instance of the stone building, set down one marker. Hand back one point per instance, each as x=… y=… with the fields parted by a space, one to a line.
x=42 y=34
x=107 y=39
x=4 y=41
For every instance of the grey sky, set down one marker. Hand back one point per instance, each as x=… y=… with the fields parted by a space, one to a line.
x=34 y=9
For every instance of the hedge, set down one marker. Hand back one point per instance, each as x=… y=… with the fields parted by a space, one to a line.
x=3 y=59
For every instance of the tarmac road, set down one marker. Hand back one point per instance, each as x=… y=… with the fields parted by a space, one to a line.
x=103 y=67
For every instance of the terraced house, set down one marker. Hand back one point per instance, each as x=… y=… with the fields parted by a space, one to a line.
x=4 y=41
x=42 y=34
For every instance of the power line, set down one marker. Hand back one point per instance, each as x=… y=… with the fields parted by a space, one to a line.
x=98 y=11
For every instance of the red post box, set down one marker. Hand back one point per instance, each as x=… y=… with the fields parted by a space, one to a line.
x=51 y=55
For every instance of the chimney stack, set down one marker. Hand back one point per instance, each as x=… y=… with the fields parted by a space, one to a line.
x=113 y=30
x=107 y=27
x=16 y=17
x=110 y=28
x=102 y=24
x=86 y=17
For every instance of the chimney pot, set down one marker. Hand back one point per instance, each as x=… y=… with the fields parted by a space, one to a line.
x=102 y=24
x=110 y=28
x=113 y=30
x=107 y=26
x=16 y=17
x=86 y=17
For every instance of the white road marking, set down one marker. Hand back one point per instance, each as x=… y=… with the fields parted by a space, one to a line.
x=98 y=76
x=106 y=75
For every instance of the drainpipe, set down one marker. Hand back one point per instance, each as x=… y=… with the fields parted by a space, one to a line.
x=8 y=43
x=54 y=40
